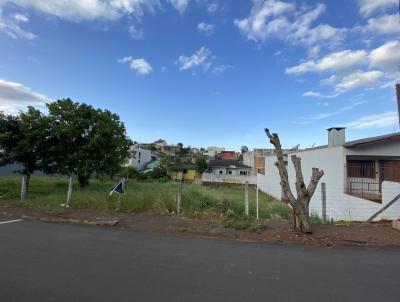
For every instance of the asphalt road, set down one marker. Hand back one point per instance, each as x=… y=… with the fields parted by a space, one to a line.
x=55 y=262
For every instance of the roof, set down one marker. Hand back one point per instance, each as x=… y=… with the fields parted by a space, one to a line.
x=227 y=163
x=373 y=140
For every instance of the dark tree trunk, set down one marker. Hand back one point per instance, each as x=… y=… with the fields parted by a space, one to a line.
x=299 y=204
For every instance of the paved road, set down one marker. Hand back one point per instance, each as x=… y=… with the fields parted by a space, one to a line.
x=55 y=262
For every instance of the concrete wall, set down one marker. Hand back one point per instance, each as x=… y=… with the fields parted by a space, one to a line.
x=340 y=206
x=224 y=178
x=140 y=157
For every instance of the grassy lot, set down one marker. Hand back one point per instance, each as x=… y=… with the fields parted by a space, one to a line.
x=49 y=192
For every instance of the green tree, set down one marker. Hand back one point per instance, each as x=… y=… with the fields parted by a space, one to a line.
x=23 y=141
x=84 y=141
x=200 y=164
x=159 y=172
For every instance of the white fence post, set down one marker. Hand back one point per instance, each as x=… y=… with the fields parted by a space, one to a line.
x=246 y=198
x=323 y=193
x=179 y=197
x=257 y=201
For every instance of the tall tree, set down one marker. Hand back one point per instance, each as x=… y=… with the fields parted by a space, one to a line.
x=200 y=164
x=23 y=142
x=299 y=204
x=84 y=141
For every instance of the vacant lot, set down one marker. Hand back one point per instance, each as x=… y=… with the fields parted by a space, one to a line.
x=49 y=192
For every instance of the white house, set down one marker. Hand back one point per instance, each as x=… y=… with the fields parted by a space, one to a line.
x=139 y=158
x=228 y=171
x=213 y=151
x=361 y=176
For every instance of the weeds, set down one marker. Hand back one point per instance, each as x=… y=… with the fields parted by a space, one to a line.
x=140 y=196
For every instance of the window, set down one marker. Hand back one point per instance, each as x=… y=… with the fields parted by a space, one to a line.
x=220 y=172
x=139 y=154
x=361 y=168
x=230 y=172
x=243 y=172
x=185 y=171
x=138 y=161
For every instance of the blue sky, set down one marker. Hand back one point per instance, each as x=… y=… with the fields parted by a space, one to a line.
x=209 y=72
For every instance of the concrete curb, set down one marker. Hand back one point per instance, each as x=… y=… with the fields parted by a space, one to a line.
x=104 y=223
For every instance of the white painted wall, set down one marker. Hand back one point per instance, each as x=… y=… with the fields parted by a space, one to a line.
x=230 y=171
x=224 y=178
x=340 y=206
x=140 y=157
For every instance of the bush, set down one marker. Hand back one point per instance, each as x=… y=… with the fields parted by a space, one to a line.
x=244 y=224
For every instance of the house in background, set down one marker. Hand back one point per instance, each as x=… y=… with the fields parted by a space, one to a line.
x=212 y=151
x=361 y=176
x=228 y=171
x=139 y=157
x=150 y=166
x=160 y=143
x=256 y=159
x=228 y=155
x=183 y=172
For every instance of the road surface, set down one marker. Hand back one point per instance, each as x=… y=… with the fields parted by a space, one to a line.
x=57 y=262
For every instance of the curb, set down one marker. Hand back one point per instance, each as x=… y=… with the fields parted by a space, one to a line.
x=104 y=223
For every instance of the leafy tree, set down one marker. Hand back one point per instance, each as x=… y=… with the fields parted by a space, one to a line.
x=200 y=164
x=24 y=141
x=83 y=141
x=159 y=172
x=9 y=136
x=131 y=173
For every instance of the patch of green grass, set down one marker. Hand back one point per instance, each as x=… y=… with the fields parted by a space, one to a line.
x=141 y=196
x=244 y=224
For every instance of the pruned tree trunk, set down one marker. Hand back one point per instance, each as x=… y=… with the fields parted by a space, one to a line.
x=24 y=186
x=69 y=194
x=300 y=205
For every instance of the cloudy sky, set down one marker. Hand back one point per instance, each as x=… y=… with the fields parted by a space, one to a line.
x=209 y=72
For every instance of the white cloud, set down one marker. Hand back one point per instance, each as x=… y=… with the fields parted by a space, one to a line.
x=180 y=5
x=202 y=58
x=367 y=7
x=21 y=18
x=357 y=80
x=338 y=61
x=199 y=58
x=325 y=115
x=205 y=28
x=212 y=8
x=15 y=97
x=382 y=120
x=386 y=56
x=387 y=24
x=80 y=10
x=141 y=66
x=283 y=20
x=312 y=94
x=135 y=33
x=10 y=25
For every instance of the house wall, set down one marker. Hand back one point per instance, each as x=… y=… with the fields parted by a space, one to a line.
x=232 y=179
x=189 y=175
x=389 y=191
x=340 y=206
x=225 y=171
x=140 y=157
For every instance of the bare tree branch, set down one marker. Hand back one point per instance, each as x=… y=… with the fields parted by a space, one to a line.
x=300 y=186
x=287 y=192
x=315 y=177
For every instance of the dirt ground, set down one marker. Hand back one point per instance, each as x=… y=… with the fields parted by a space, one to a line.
x=277 y=230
